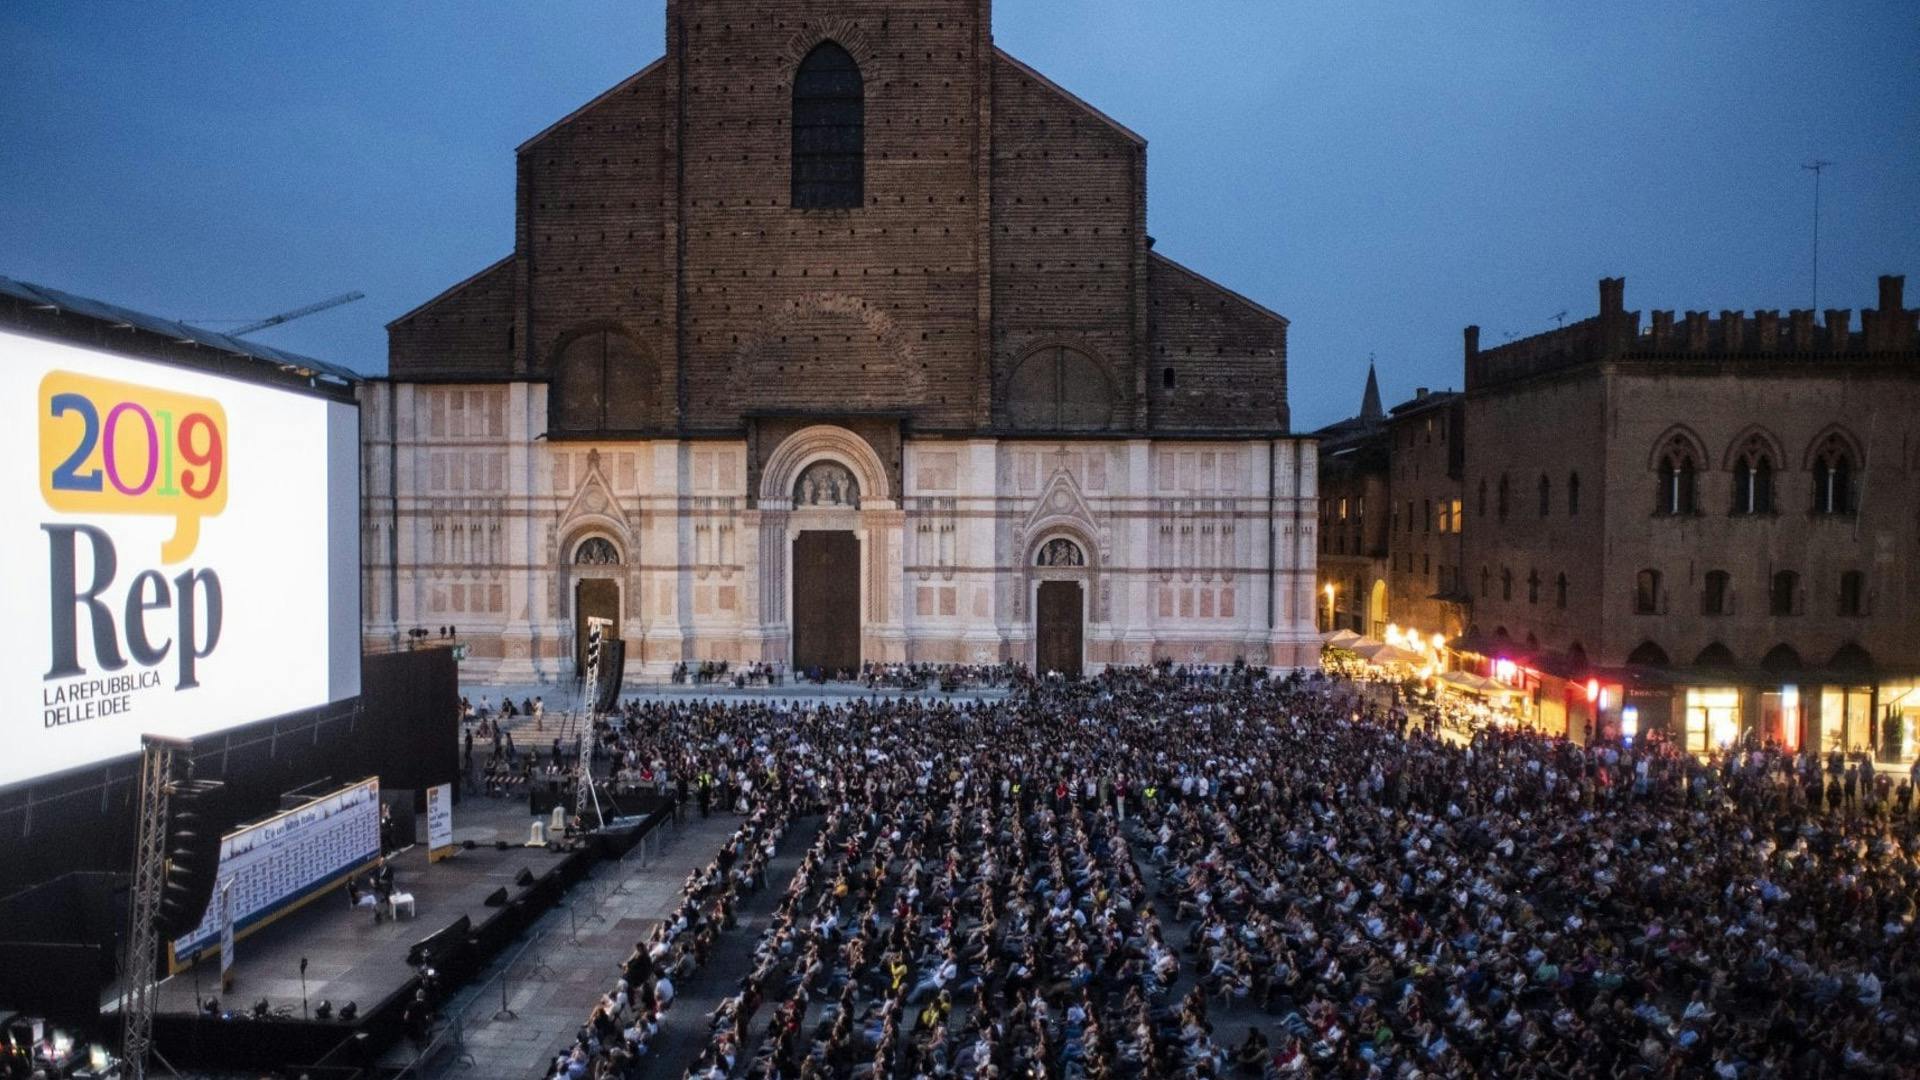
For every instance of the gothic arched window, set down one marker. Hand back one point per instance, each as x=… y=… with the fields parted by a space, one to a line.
x=1753 y=478
x=1560 y=592
x=829 y=131
x=1679 y=467
x=1833 y=477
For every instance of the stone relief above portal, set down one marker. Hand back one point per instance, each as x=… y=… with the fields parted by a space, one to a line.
x=826 y=484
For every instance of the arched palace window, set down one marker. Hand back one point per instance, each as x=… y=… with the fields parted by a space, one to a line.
x=829 y=131
x=1833 y=477
x=1753 y=478
x=1679 y=470
x=1064 y=552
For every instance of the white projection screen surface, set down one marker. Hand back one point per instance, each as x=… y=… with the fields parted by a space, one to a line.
x=180 y=550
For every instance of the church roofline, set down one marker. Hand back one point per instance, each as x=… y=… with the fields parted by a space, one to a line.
x=1205 y=280
x=609 y=92
x=451 y=289
x=1029 y=71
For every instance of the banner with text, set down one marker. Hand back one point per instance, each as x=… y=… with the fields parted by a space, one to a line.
x=439 y=822
x=169 y=554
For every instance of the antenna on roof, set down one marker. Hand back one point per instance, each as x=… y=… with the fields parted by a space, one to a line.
x=1816 y=167
x=1560 y=317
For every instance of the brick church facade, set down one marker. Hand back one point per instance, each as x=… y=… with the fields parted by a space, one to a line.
x=836 y=335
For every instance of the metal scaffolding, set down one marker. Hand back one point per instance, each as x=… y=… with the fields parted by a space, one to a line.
x=584 y=793
x=149 y=880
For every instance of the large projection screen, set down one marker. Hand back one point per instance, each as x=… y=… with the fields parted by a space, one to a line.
x=180 y=554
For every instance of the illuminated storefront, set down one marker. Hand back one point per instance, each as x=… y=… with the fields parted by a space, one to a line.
x=1781 y=716
x=1899 y=725
x=1712 y=719
x=1846 y=720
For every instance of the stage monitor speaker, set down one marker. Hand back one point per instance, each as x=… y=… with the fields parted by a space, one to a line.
x=613 y=668
x=498 y=897
x=501 y=845
x=524 y=878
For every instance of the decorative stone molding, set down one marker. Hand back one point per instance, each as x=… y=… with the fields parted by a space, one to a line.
x=819 y=443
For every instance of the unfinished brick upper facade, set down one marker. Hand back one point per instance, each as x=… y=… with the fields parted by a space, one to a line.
x=1002 y=216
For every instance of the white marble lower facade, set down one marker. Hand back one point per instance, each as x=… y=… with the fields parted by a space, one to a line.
x=1189 y=550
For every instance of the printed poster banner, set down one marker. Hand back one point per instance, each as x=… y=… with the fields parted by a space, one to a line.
x=439 y=822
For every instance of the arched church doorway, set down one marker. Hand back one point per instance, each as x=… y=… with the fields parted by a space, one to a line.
x=1059 y=631
x=593 y=597
x=826 y=572
x=1377 y=609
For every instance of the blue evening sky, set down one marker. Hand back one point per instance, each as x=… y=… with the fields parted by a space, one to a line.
x=1383 y=172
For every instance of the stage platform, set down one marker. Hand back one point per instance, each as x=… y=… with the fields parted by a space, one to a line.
x=353 y=959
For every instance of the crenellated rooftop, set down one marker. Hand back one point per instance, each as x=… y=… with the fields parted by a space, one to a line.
x=1890 y=330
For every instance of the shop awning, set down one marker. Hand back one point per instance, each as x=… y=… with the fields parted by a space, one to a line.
x=1468 y=682
x=1380 y=652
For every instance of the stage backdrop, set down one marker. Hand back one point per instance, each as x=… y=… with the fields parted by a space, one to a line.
x=180 y=552
x=280 y=862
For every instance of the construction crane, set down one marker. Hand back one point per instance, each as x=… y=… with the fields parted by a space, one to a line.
x=296 y=313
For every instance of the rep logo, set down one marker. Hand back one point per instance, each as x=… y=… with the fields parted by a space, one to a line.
x=116 y=448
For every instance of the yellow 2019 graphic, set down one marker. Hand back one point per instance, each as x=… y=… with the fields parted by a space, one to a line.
x=117 y=448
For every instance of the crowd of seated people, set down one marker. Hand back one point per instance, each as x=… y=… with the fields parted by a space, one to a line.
x=1210 y=873
x=614 y=1040
x=723 y=673
x=945 y=677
